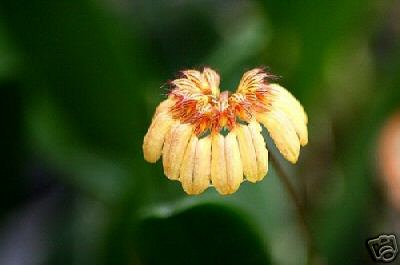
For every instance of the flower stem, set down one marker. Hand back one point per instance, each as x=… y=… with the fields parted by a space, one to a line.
x=299 y=207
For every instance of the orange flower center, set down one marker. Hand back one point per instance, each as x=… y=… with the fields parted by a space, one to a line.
x=213 y=113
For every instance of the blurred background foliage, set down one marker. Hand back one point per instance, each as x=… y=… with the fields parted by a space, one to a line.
x=80 y=80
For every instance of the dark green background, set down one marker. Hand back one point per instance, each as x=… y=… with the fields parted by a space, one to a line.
x=80 y=80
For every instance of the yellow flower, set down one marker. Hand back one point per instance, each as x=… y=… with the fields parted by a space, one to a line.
x=212 y=138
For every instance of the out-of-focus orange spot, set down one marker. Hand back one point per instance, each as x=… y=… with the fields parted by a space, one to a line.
x=389 y=158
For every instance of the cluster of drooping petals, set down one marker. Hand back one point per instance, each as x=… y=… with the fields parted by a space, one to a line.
x=210 y=138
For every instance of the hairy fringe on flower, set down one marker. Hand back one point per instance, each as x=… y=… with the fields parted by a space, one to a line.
x=212 y=138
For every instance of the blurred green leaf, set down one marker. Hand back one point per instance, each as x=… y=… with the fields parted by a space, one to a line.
x=206 y=234
x=266 y=204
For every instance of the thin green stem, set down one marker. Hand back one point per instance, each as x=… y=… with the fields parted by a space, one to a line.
x=298 y=204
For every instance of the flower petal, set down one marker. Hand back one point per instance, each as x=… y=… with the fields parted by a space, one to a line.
x=286 y=102
x=186 y=170
x=282 y=132
x=202 y=165
x=164 y=106
x=178 y=142
x=234 y=168
x=212 y=78
x=154 y=138
x=195 y=76
x=260 y=149
x=218 y=164
x=167 y=145
x=247 y=152
x=252 y=80
x=186 y=85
